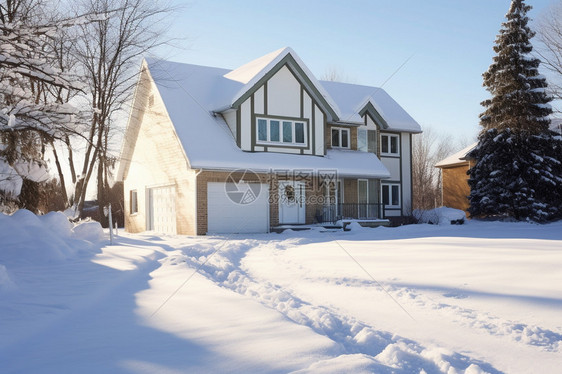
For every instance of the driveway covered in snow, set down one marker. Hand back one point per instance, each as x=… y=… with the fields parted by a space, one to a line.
x=481 y=297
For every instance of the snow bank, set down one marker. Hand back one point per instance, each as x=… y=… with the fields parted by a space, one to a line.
x=90 y=231
x=5 y=280
x=31 y=239
x=440 y=216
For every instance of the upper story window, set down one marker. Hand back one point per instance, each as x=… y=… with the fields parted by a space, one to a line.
x=367 y=140
x=390 y=145
x=281 y=131
x=340 y=137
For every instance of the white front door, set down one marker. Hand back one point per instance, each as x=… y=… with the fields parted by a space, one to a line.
x=292 y=202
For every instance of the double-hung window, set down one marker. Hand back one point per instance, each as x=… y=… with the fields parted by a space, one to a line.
x=340 y=137
x=391 y=195
x=281 y=131
x=390 y=145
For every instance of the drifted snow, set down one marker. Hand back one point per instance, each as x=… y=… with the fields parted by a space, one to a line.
x=483 y=297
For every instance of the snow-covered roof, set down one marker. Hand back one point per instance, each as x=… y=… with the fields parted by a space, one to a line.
x=192 y=94
x=458 y=158
x=252 y=72
x=352 y=98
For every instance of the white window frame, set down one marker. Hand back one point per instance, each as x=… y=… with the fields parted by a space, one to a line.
x=390 y=195
x=340 y=131
x=389 y=144
x=293 y=122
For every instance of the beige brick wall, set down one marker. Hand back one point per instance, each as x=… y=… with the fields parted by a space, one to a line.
x=353 y=135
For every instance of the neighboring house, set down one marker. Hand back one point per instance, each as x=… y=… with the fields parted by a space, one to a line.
x=454 y=179
x=454 y=186
x=210 y=150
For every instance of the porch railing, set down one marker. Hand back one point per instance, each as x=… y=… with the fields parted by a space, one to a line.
x=335 y=212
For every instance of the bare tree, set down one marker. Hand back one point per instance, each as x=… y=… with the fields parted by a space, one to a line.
x=549 y=50
x=109 y=52
x=335 y=74
x=428 y=149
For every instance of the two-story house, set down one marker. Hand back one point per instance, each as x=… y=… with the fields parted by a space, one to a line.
x=210 y=150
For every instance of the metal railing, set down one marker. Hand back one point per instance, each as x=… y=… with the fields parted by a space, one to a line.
x=335 y=212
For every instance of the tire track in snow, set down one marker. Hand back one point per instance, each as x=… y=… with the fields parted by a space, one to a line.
x=398 y=354
x=549 y=340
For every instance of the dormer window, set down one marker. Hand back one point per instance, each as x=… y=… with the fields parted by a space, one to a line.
x=340 y=137
x=286 y=132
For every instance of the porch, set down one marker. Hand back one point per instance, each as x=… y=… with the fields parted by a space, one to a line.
x=332 y=213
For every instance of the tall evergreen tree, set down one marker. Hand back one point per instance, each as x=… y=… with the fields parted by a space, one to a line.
x=518 y=170
x=519 y=100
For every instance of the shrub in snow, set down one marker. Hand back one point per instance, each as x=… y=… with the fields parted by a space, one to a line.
x=90 y=231
x=440 y=216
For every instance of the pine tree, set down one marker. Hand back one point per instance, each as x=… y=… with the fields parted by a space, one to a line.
x=519 y=100
x=518 y=170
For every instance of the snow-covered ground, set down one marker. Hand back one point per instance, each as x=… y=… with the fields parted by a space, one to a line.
x=473 y=298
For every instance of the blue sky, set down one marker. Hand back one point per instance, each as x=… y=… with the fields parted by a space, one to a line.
x=447 y=45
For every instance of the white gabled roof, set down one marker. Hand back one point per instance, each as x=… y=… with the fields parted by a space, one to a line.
x=352 y=98
x=252 y=72
x=458 y=158
x=191 y=93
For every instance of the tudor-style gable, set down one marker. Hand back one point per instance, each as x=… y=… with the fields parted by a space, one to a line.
x=281 y=108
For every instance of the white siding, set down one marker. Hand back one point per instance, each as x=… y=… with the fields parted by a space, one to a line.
x=393 y=166
x=307 y=105
x=258 y=101
x=283 y=94
x=284 y=150
x=230 y=119
x=246 y=125
x=157 y=160
x=371 y=124
x=319 y=128
x=406 y=173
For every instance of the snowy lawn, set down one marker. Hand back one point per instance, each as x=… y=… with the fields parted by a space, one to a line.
x=480 y=297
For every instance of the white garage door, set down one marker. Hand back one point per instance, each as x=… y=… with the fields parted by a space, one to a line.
x=237 y=208
x=162 y=204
